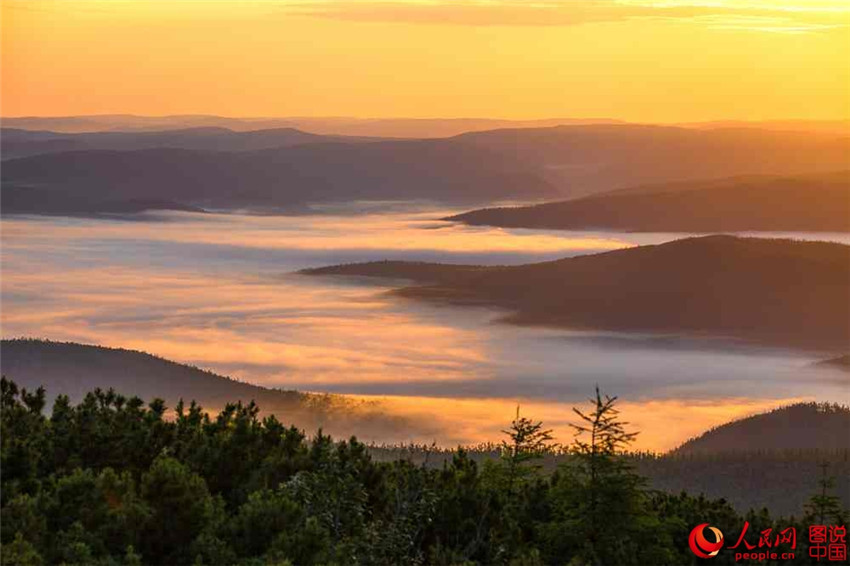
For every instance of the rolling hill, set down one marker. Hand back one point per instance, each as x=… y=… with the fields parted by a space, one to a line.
x=813 y=203
x=23 y=143
x=582 y=160
x=802 y=426
x=386 y=127
x=527 y=164
x=74 y=369
x=276 y=178
x=133 y=122
x=781 y=292
x=326 y=125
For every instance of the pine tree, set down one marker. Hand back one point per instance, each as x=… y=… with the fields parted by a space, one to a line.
x=599 y=499
x=825 y=507
x=527 y=441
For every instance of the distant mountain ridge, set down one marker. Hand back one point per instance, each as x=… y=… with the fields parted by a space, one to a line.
x=781 y=292
x=801 y=426
x=277 y=178
x=469 y=169
x=589 y=159
x=22 y=143
x=389 y=127
x=325 y=125
x=813 y=203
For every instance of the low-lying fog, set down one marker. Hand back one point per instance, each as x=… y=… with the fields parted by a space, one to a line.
x=217 y=291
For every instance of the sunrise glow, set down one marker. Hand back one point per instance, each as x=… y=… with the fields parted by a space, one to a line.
x=637 y=60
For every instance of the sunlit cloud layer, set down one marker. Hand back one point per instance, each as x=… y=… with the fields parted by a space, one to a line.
x=662 y=425
x=376 y=232
x=232 y=305
x=792 y=17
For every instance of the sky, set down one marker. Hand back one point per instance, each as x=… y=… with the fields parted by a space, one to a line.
x=638 y=60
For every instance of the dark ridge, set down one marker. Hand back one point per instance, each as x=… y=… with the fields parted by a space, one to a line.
x=73 y=369
x=813 y=203
x=514 y=164
x=22 y=143
x=31 y=200
x=802 y=426
x=582 y=160
x=775 y=291
x=319 y=172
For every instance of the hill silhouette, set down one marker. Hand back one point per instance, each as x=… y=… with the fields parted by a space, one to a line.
x=389 y=127
x=30 y=200
x=22 y=143
x=136 y=123
x=802 y=426
x=582 y=160
x=277 y=178
x=775 y=291
x=482 y=167
x=74 y=369
x=814 y=203
x=326 y=125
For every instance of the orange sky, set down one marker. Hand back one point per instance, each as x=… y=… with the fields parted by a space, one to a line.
x=642 y=60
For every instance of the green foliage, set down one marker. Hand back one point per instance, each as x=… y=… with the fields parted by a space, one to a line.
x=825 y=506
x=600 y=506
x=112 y=481
x=21 y=552
x=527 y=441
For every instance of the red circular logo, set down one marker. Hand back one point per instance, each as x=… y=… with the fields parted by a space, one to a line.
x=701 y=546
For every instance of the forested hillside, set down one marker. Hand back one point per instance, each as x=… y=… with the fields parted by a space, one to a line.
x=814 y=203
x=800 y=426
x=75 y=369
x=778 y=291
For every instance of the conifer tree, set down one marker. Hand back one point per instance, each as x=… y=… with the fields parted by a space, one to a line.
x=527 y=441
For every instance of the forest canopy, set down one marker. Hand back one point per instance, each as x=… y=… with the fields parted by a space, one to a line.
x=112 y=481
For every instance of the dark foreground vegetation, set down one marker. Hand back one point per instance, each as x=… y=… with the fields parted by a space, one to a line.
x=112 y=481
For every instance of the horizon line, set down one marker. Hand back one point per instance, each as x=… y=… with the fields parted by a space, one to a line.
x=423 y=118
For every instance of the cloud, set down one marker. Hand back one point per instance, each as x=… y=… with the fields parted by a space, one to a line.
x=752 y=16
x=772 y=16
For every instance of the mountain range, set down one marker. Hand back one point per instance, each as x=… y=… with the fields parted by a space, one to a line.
x=384 y=127
x=328 y=125
x=527 y=164
x=22 y=143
